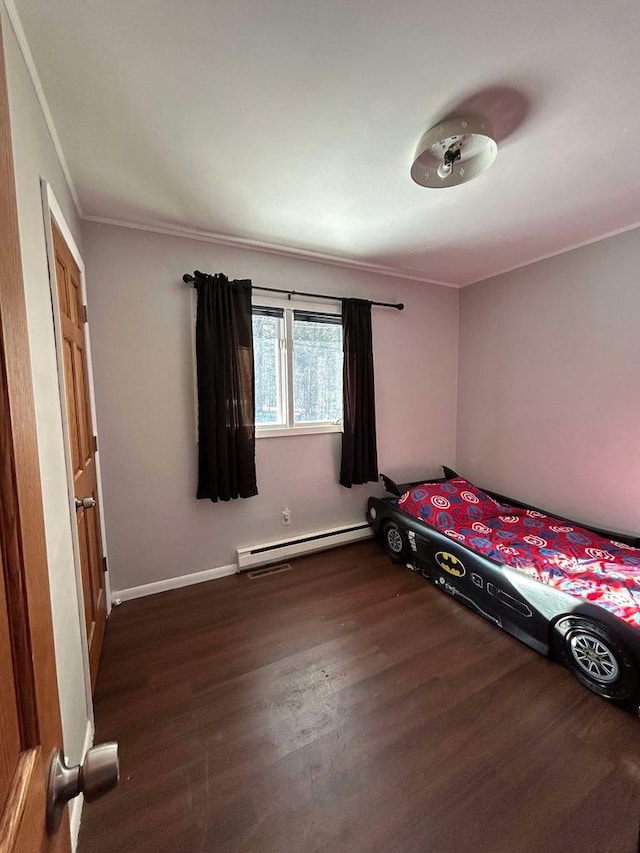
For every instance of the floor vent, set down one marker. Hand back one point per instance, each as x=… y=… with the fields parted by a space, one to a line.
x=269 y=570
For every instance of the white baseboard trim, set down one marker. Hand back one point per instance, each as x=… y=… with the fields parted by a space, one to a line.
x=75 y=809
x=254 y=556
x=120 y=595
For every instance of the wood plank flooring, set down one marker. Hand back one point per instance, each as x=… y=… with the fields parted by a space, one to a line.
x=349 y=706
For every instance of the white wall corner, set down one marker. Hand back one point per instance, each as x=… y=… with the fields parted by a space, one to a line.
x=21 y=37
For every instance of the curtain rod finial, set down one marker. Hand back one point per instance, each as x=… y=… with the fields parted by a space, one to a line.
x=400 y=306
x=188 y=279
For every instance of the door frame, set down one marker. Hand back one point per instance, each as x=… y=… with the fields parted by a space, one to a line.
x=52 y=211
x=22 y=529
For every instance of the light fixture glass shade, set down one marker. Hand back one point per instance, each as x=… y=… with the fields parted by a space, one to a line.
x=469 y=135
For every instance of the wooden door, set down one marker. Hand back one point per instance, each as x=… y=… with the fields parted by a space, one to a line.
x=29 y=710
x=83 y=446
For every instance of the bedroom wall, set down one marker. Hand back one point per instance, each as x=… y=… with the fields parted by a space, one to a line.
x=35 y=156
x=548 y=405
x=140 y=320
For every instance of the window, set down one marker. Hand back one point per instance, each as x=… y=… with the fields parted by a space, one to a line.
x=298 y=370
x=268 y=352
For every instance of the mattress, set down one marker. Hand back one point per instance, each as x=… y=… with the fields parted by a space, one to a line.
x=562 y=555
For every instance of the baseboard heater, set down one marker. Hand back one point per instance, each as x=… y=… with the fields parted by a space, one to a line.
x=270 y=552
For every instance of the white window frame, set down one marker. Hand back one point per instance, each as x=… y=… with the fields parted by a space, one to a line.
x=286 y=369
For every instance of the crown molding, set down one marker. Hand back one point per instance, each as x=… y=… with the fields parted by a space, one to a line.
x=21 y=37
x=555 y=254
x=333 y=260
x=268 y=248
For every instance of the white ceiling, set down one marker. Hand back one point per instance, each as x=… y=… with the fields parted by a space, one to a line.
x=293 y=122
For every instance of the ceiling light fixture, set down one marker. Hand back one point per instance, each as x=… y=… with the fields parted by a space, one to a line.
x=454 y=152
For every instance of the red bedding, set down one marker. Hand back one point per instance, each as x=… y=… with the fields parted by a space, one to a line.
x=562 y=555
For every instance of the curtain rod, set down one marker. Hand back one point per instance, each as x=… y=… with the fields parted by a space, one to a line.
x=190 y=279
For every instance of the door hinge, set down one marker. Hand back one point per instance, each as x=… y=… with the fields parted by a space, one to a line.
x=85 y=318
x=95 y=443
x=104 y=565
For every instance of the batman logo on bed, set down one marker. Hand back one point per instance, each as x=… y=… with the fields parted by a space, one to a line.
x=450 y=563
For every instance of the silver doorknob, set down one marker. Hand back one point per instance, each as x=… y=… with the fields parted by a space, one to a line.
x=85 y=503
x=98 y=774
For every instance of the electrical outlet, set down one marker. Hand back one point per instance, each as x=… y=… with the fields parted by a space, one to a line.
x=286 y=516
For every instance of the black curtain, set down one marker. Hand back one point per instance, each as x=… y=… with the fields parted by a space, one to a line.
x=359 y=451
x=226 y=395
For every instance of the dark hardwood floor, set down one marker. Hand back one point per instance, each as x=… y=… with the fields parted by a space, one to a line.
x=349 y=706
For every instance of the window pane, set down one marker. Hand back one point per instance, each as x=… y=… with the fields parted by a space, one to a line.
x=267 y=333
x=317 y=371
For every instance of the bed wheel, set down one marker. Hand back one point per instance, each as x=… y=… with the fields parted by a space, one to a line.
x=596 y=658
x=395 y=543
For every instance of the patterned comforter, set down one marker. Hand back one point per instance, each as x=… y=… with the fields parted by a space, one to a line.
x=561 y=555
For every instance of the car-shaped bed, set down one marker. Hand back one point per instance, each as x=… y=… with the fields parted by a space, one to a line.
x=570 y=600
